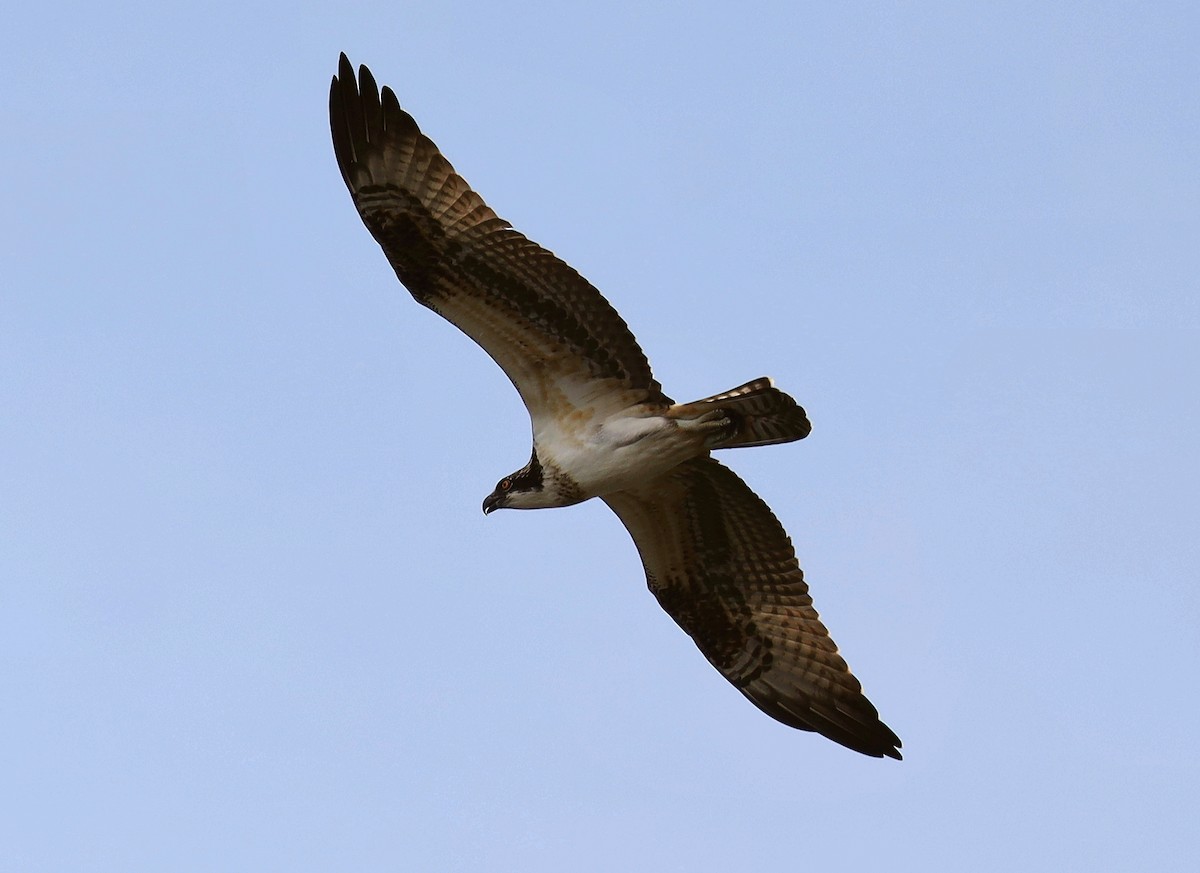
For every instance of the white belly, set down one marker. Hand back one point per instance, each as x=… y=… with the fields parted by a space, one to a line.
x=623 y=451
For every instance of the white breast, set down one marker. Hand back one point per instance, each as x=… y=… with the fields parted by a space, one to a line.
x=623 y=450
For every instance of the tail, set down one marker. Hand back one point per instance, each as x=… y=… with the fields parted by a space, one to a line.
x=759 y=414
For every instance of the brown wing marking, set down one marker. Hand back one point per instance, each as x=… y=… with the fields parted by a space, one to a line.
x=721 y=565
x=540 y=320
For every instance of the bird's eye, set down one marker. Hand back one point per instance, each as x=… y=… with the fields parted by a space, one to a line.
x=505 y=484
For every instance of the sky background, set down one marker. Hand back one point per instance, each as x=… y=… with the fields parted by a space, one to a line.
x=251 y=616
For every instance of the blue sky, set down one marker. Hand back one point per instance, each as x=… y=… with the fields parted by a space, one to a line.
x=251 y=617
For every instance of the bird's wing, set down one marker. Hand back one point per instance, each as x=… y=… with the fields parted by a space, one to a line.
x=545 y=325
x=721 y=565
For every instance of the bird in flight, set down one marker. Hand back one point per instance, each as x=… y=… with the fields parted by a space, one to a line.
x=715 y=556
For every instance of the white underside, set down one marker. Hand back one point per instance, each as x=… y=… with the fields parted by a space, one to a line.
x=625 y=450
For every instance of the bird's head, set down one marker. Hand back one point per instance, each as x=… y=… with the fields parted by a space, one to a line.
x=524 y=489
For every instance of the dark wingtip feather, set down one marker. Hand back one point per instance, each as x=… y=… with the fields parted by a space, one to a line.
x=369 y=96
x=343 y=96
x=366 y=82
x=861 y=731
x=884 y=743
x=390 y=102
x=353 y=111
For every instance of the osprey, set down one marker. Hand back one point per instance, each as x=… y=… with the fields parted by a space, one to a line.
x=715 y=557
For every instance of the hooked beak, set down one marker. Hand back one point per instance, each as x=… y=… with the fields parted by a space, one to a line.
x=492 y=501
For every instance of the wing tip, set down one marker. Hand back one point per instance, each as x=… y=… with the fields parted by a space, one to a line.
x=874 y=741
x=867 y=736
x=355 y=119
x=882 y=743
x=854 y=724
x=345 y=73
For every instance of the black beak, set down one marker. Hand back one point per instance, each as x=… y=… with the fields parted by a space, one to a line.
x=492 y=501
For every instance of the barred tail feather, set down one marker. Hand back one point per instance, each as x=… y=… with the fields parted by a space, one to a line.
x=760 y=413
